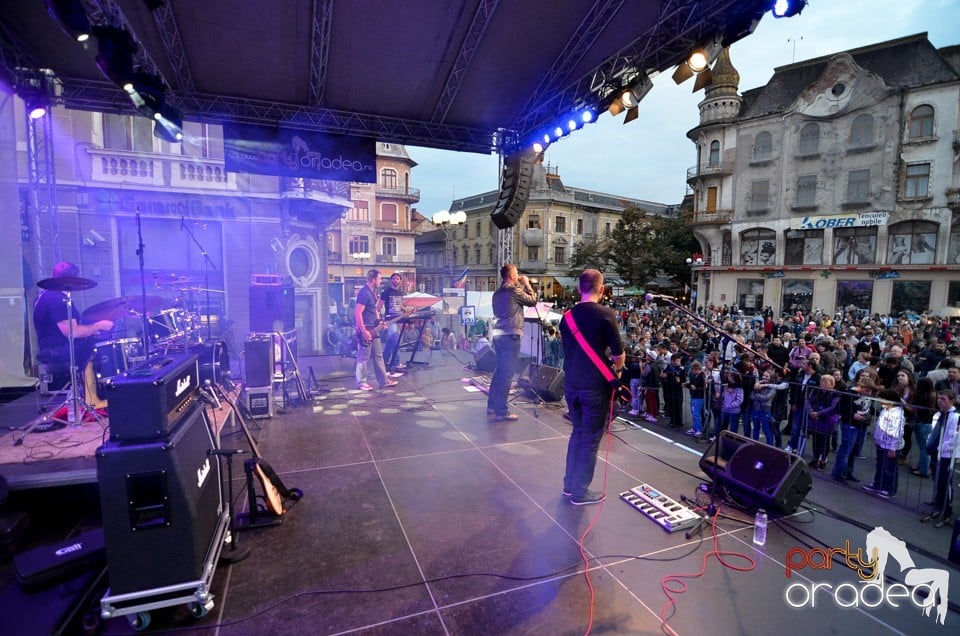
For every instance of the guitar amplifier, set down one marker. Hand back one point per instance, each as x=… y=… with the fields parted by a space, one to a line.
x=147 y=401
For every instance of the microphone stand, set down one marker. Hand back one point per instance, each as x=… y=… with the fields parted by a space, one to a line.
x=144 y=319
x=207 y=263
x=724 y=343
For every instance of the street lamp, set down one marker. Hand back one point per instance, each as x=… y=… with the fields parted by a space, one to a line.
x=357 y=256
x=448 y=222
x=694 y=263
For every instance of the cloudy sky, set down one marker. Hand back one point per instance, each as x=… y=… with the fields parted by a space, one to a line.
x=648 y=158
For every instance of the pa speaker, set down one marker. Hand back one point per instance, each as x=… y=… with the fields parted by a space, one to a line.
x=271 y=308
x=485 y=359
x=514 y=189
x=258 y=354
x=547 y=382
x=766 y=476
x=161 y=505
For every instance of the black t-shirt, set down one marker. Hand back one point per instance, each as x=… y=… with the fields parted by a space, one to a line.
x=50 y=309
x=369 y=300
x=392 y=303
x=598 y=324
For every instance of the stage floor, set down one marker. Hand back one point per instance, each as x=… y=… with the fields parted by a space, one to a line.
x=420 y=516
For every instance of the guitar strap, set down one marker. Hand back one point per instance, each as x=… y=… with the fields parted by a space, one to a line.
x=604 y=370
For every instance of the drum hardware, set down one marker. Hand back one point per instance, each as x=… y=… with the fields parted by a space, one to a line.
x=113 y=357
x=123 y=307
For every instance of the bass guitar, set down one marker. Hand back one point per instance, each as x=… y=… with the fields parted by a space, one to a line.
x=274 y=490
x=381 y=325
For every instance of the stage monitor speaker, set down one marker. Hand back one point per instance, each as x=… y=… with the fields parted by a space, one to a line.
x=259 y=360
x=547 y=382
x=161 y=505
x=272 y=308
x=485 y=359
x=766 y=476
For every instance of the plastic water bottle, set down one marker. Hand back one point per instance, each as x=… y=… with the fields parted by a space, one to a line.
x=760 y=528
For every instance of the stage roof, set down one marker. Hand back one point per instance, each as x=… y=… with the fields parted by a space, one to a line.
x=469 y=75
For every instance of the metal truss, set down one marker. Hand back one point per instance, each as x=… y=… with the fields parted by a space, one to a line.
x=173 y=44
x=319 y=49
x=43 y=189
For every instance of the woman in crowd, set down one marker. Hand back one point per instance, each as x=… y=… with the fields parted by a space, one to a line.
x=920 y=408
x=823 y=413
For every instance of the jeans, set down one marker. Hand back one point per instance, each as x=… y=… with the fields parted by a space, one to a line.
x=373 y=352
x=391 y=344
x=886 y=473
x=747 y=427
x=507 y=349
x=922 y=432
x=636 y=390
x=796 y=427
x=588 y=412
x=729 y=422
x=841 y=465
x=696 y=414
x=762 y=420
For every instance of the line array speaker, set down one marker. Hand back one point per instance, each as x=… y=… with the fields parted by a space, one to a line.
x=766 y=476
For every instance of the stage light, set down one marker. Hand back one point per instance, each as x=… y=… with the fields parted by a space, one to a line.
x=538 y=147
x=632 y=113
x=788 y=8
x=71 y=17
x=146 y=91
x=115 y=49
x=698 y=61
x=558 y=132
x=572 y=125
x=36 y=107
x=587 y=116
x=168 y=125
x=633 y=94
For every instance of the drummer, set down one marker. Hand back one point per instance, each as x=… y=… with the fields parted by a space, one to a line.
x=52 y=323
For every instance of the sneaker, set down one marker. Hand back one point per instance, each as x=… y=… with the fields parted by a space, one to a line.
x=693 y=433
x=365 y=387
x=588 y=498
x=942 y=521
x=567 y=492
x=650 y=418
x=633 y=413
x=871 y=489
x=401 y=366
x=390 y=383
x=788 y=449
x=394 y=375
x=884 y=494
x=508 y=417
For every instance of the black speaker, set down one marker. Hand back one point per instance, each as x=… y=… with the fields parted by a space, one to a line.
x=258 y=355
x=514 y=189
x=547 y=382
x=161 y=505
x=271 y=308
x=766 y=476
x=485 y=359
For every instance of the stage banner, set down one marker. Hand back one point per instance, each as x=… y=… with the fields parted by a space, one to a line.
x=285 y=152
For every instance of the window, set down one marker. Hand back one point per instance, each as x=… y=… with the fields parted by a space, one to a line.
x=858 y=186
x=806 y=191
x=909 y=295
x=861 y=131
x=202 y=140
x=750 y=294
x=606 y=229
x=359 y=212
x=466 y=231
x=916 y=182
x=712 y=198
x=466 y=255
x=854 y=245
x=476 y=253
x=580 y=226
x=763 y=146
x=714 y=153
x=492 y=254
x=560 y=224
x=803 y=247
x=921 y=122
x=388 y=212
x=559 y=254
x=854 y=294
x=912 y=242
x=388 y=178
x=533 y=253
x=953 y=249
x=121 y=132
x=758 y=247
x=359 y=244
x=389 y=244
x=533 y=221
x=759 y=195
x=477 y=228
x=797 y=295
x=809 y=139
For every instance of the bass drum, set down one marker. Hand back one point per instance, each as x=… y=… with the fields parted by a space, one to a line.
x=213 y=359
x=167 y=326
x=113 y=357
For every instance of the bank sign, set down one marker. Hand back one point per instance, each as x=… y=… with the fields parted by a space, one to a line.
x=864 y=219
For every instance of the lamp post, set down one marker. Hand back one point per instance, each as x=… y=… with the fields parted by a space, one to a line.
x=695 y=262
x=357 y=256
x=448 y=222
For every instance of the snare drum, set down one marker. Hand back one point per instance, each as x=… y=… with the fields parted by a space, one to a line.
x=113 y=357
x=167 y=326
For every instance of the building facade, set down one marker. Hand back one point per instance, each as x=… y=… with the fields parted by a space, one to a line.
x=834 y=186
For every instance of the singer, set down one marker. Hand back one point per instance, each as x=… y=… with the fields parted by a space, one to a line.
x=514 y=294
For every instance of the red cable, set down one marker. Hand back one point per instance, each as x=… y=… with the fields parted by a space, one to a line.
x=665 y=582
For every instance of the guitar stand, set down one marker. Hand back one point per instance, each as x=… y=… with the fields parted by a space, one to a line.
x=256 y=516
x=236 y=553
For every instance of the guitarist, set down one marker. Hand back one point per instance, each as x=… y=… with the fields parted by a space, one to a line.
x=369 y=347
x=393 y=308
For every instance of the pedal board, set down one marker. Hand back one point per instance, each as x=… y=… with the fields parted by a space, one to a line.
x=665 y=512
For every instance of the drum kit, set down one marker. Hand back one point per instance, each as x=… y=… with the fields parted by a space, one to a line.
x=170 y=328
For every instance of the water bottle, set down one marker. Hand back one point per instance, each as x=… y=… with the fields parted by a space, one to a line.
x=760 y=528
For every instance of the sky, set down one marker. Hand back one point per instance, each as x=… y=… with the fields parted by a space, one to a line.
x=648 y=158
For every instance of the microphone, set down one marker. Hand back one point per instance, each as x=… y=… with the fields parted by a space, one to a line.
x=648 y=297
x=209 y=395
x=182 y=224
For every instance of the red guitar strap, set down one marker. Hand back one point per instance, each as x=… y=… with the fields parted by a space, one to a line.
x=604 y=370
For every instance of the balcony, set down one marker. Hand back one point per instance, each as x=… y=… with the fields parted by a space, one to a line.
x=148 y=169
x=396 y=259
x=533 y=237
x=710 y=170
x=953 y=199
x=532 y=267
x=410 y=195
x=711 y=217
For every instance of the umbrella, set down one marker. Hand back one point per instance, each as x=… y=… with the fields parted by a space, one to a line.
x=420 y=300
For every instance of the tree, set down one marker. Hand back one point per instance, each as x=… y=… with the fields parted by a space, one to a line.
x=644 y=244
x=591 y=254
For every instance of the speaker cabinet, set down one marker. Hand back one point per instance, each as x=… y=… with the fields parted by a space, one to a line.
x=272 y=308
x=260 y=359
x=766 y=476
x=485 y=359
x=547 y=382
x=161 y=504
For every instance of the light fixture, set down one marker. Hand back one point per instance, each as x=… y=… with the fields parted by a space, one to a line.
x=168 y=125
x=633 y=94
x=36 y=106
x=71 y=17
x=787 y=8
x=146 y=91
x=115 y=49
x=698 y=61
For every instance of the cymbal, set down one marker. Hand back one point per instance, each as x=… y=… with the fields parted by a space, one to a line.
x=166 y=280
x=117 y=308
x=66 y=283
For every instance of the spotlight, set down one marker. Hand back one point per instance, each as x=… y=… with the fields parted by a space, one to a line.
x=632 y=113
x=71 y=17
x=787 y=8
x=36 y=106
x=558 y=132
x=538 y=147
x=633 y=94
x=572 y=125
x=698 y=61
x=169 y=125
x=115 y=49
x=146 y=92
x=587 y=116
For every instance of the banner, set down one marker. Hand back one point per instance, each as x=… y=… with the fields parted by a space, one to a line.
x=861 y=219
x=285 y=152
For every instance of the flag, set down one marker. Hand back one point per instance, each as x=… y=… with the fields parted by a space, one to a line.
x=686 y=289
x=462 y=278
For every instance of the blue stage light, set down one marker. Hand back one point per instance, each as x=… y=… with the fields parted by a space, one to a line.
x=587 y=116
x=787 y=8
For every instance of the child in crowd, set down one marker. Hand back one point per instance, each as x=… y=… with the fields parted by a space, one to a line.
x=888 y=437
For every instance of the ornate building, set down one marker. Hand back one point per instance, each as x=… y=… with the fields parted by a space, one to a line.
x=833 y=186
